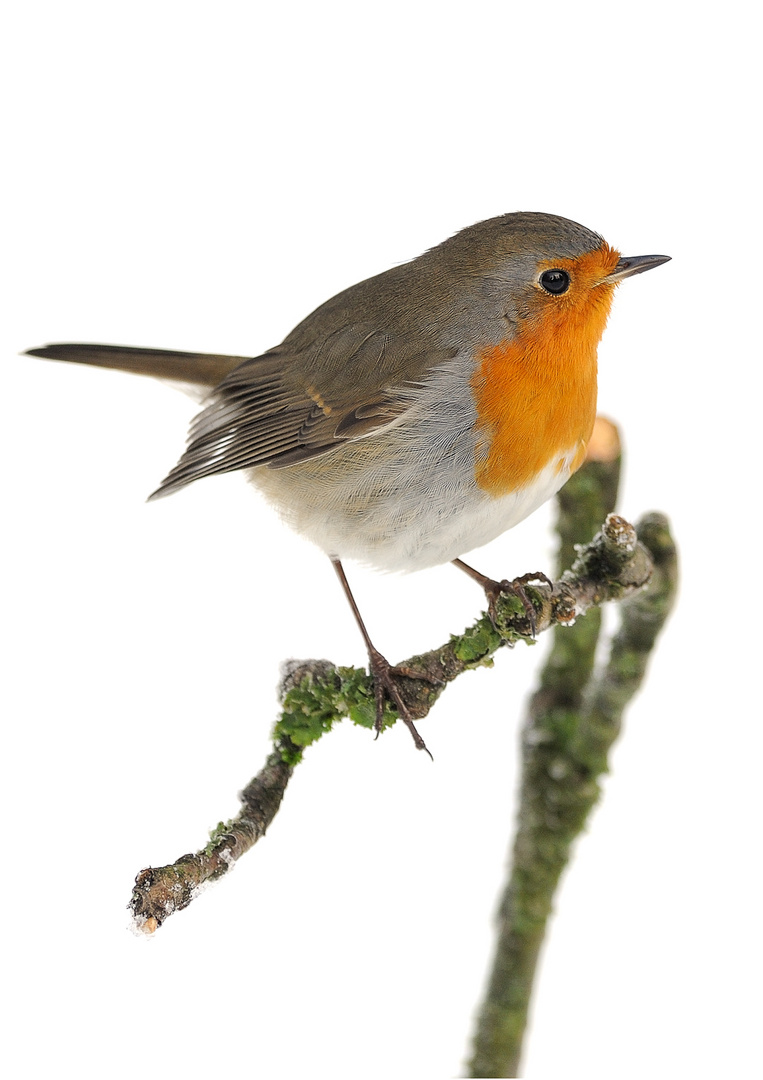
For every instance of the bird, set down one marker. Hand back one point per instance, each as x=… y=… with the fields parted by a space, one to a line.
x=418 y=414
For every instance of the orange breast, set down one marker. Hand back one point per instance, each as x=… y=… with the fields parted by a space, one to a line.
x=536 y=394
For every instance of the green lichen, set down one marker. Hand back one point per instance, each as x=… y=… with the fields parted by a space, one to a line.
x=474 y=647
x=316 y=703
x=221 y=829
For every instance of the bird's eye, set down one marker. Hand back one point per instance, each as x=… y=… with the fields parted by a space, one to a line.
x=555 y=281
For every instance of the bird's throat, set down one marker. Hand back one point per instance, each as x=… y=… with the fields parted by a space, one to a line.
x=536 y=395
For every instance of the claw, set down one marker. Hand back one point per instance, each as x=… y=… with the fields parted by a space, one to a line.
x=517 y=587
x=382 y=673
x=494 y=589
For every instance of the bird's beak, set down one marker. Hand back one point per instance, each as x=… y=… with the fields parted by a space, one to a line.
x=634 y=264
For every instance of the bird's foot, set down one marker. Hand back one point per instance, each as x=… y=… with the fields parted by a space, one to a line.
x=495 y=589
x=383 y=674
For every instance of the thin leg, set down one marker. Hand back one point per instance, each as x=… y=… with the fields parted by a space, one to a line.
x=381 y=670
x=493 y=589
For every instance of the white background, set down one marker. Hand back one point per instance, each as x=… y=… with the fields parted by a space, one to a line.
x=202 y=176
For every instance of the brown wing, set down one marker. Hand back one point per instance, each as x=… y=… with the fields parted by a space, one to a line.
x=282 y=408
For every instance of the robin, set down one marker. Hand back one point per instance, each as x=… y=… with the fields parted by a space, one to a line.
x=416 y=415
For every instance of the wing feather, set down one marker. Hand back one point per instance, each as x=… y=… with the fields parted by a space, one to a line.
x=282 y=408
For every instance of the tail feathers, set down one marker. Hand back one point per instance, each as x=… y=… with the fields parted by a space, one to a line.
x=199 y=369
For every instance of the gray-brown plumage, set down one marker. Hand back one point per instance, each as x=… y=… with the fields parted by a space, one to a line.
x=349 y=367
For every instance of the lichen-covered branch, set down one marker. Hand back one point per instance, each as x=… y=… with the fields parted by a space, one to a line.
x=160 y=892
x=573 y=719
x=316 y=694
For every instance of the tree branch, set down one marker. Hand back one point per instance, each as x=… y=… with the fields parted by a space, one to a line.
x=573 y=720
x=315 y=694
